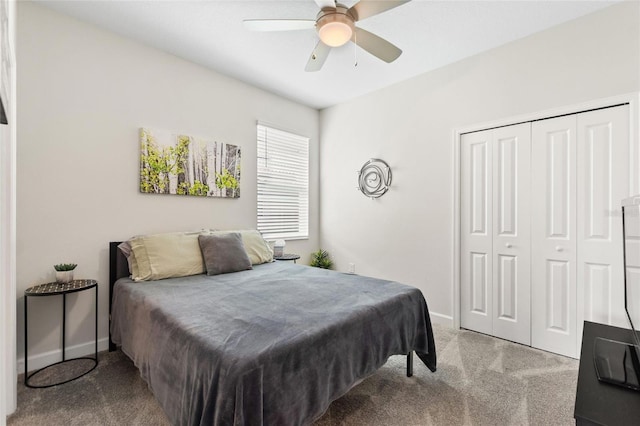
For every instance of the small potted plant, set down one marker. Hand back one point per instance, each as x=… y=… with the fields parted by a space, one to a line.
x=64 y=272
x=321 y=259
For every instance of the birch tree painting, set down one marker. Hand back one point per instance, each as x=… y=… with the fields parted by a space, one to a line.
x=186 y=165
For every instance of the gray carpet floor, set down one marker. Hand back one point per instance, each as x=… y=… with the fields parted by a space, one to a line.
x=480 y=380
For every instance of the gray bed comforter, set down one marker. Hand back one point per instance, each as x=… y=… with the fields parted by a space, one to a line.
x=270 y=346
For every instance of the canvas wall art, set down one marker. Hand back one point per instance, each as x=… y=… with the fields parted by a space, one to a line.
x=172 y=163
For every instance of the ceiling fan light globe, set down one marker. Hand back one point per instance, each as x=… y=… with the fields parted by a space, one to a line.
x=335 y=29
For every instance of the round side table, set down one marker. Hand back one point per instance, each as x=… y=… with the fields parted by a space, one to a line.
x=55 y=289
x=288 y=256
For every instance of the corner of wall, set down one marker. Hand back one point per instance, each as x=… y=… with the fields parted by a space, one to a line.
x=8 y=386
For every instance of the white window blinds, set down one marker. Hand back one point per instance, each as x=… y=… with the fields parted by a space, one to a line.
x=283 y=184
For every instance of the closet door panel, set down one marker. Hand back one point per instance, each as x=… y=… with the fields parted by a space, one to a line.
x=603 y=181
x=476 y=232
x=558 y=289
x=553 y=238
x=511 y=245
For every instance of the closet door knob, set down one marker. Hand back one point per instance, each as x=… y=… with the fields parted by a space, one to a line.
x=558 y=248
x=508 y=245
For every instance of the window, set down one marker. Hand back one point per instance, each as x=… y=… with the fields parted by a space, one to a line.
x=283 y=184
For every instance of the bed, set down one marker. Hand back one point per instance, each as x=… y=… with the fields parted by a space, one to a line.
x=274 y=345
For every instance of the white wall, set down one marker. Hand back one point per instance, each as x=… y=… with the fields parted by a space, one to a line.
x=407 y=235
x=82 y=95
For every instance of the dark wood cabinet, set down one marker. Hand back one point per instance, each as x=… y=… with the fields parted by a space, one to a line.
x=599 y=403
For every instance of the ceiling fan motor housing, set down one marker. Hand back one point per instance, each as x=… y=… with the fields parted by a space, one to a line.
x=335 y=26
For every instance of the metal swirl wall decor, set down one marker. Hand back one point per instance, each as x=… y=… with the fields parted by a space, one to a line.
x=374 y=178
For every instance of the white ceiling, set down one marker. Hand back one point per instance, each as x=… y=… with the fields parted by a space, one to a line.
x=430 y=33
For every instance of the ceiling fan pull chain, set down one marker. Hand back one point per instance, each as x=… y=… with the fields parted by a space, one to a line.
x=355 y=49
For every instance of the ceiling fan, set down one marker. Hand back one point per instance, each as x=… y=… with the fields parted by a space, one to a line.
x=336 y=25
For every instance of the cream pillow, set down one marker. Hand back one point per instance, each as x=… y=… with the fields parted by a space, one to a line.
x=133 y=264
x=125 y=248
x=168 y=255
x=140 y=269
x=256 y=247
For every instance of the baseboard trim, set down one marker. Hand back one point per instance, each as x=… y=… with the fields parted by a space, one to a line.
x=38 y=361
x=441 y=319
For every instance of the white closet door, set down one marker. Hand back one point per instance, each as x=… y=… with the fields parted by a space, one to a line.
x=553 y=235
x=495 y=248
x=476 y=234
x=511 y=229
x=603 y=181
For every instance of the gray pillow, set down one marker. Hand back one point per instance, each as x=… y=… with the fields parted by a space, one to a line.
x=224 y=253
x=125 y=248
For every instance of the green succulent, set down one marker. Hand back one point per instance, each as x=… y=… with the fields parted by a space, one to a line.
x=65 y=267
x=321 y=259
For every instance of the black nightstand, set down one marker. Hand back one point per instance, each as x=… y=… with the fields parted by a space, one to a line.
x=288 y=256
x=55 y=289
x=599 y=403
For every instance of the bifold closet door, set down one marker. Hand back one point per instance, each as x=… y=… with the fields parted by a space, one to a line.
x=495 y=249
x=553 y=235
x=476 y=232
x=511 y=233
x=603 y=172
x=581 y=172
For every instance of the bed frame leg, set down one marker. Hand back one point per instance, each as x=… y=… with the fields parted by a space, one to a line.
x=112 y=346
x=410 y=364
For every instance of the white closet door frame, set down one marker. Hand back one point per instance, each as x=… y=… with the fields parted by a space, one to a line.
x=633 y=99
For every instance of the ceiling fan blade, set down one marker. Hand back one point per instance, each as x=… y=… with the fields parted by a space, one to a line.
x=278 y=24
x=318 y=56
x=325 y=3
x=375 y=45
x=366 y=8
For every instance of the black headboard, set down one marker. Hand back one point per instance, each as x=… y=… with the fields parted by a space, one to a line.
x=118 y=268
